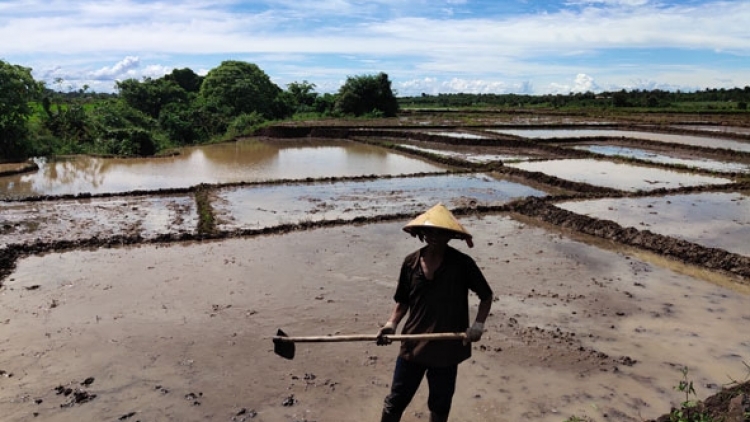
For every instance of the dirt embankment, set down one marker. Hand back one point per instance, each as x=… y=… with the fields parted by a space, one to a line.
x=684 y=251
x=9 y=169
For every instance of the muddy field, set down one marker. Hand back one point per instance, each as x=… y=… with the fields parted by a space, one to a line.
x=160 y=305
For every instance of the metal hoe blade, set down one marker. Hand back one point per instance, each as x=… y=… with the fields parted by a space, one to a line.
x=285 y=349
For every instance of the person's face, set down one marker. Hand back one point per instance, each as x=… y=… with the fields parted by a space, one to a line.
x=435 y=236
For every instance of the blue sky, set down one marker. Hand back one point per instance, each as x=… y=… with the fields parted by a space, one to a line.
x=425 y=46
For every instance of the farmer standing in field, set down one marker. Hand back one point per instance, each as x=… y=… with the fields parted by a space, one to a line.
x=433 y=287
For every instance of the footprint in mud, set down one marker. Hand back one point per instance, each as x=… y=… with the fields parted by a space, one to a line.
x=77 y=396
x=244 y=415
x=194 y=398
x=289 y=401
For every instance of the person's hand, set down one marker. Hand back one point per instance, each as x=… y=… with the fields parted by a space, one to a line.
x=474 y=333
x=385 y=330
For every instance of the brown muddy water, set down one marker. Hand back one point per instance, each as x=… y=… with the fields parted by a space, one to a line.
x=620 y=176
x=641 y=154
x=181 y=330
x=242 y=161
x=257 y=207
x=700 y=141
x=712 y=219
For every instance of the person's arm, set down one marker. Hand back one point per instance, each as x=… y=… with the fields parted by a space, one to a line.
x=474 y=333
x=484 y=310
x=398 y=314
x=390 y=326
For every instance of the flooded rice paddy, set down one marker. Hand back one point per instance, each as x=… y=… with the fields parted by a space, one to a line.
x=256 y=207
x=620 y=176
x=712 y=219
x=149 y=312
x=469 y=156
x=721 y=129
x=700 y=141
x=242 y=161
x=458 y=135
x=641 y=154
x=74 y=219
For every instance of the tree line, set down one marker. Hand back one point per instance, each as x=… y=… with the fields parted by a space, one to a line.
x=706 y=100
x=181 y=108
x=145 y=117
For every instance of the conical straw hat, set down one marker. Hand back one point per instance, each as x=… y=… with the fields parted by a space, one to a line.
x=439 y=217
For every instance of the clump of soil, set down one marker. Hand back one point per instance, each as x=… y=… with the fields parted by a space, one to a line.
x=729 y=405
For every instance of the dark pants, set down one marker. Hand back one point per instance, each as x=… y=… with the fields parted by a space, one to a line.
x=406 y=380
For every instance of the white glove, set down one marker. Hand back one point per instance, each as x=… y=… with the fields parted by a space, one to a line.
x=387 y=329
x=474 y=333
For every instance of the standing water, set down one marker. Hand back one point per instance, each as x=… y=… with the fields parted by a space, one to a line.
x=243 y=161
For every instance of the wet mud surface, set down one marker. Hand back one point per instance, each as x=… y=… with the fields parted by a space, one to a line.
x=165 y=300
x=575 y=329
x=715 y=219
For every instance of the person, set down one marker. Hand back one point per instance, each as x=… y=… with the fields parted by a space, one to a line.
x=433 y=288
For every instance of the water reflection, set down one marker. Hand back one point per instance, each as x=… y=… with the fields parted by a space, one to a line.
x=724 y=129
x=266 y=206
x=641 y=154
x=249 y=160
x=701 y=141
x=618 y=176
x=459 y=135
x=716 y=219
x=468 y=156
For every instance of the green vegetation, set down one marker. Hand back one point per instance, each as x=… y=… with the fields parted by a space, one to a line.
x=689 y=410
x=17 y=88
x=151 y=116
x=367 y=95
x=710 y=100
x=206 y=221
x=236 y=98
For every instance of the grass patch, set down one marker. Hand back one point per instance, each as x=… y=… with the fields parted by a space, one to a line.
x=206 y=220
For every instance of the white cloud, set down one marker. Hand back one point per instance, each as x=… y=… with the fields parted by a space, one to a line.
x=156 y=71
x=122 y=68
x=584 y=83
x=629 y=3
x=324 y=41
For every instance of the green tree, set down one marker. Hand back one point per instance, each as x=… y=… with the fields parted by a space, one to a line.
x=193 y=123
x=68 y=121
x=151 y=95
x=17 y=89
x=620 y=99
x=129 y=141
x=303 y=93
x=244 y=124
x=117 y=124
x=367 y=94
x=240 y=88
x=325 y=104
x=186 y=79
x=118 y=114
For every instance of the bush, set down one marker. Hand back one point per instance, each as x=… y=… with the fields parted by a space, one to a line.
x=244 y=124
x=367 y=94
x=129 y=142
